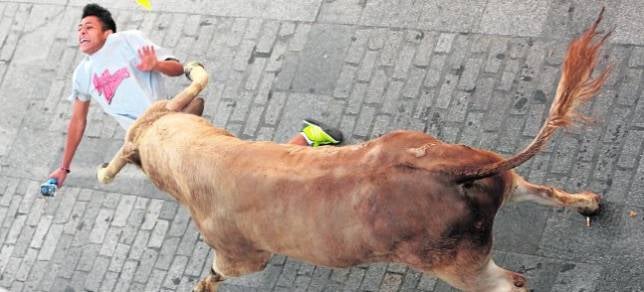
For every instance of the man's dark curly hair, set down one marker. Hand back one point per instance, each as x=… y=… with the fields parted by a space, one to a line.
x=103 y=14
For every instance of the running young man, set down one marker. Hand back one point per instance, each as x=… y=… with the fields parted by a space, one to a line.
x=122 y=72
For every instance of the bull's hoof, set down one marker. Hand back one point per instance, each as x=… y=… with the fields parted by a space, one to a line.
x=593 y=208
x=208 y=284
x=101 y=174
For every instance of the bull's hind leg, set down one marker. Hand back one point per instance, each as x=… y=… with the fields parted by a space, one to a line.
x=226 y=266
x=586 y=203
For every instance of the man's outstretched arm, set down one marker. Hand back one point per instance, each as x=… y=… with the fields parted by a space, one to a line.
x=75 y=131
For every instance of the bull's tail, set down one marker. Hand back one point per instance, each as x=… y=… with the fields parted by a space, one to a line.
x=576 y=86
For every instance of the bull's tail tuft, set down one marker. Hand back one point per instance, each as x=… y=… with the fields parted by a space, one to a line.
x=576 y=86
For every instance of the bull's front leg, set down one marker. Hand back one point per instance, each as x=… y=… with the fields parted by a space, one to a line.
x=209 y=283
x=106 y=172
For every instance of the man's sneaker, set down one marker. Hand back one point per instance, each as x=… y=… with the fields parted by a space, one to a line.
x=317 y=133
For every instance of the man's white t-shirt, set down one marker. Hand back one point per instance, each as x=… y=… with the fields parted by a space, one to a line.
x=111 y=78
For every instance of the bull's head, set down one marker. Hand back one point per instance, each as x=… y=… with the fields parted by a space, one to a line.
x=199 y=77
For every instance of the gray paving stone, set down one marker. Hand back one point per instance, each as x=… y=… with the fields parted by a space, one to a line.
x=123 y=210
x=628 y=23
x=345 y=81
x=300 y=37
x=567 y=236
x=518 y=17
x=629 y=87
x=425 y=48
x=324 y=49
x=391 y=96
x=95 y=276
x=443 y=15
x=125 y=279
x=404 y=62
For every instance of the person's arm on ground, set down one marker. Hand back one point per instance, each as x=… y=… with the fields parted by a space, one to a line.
x=75 y=131
x=149 y=62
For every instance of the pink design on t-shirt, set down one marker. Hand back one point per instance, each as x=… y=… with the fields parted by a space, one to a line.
x=107 y=83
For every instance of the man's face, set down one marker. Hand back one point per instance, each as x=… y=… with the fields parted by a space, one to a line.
x=91 y=36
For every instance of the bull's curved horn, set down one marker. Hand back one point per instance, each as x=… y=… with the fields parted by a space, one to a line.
x=197 y=74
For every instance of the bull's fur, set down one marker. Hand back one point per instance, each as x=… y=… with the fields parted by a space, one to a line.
x=404 y=197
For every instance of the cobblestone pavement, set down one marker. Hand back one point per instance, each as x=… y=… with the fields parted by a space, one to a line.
x=476 y=72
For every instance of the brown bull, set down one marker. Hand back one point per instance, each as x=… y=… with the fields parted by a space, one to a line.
x=405 y=197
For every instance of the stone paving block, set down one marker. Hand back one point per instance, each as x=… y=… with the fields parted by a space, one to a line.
x=325 y=49
x=110 y=241
x=391 y=48
x=253 y=120
x=363 y=125
x=444 y=44
x=623 y=273
x=446 y=91
x=414 y=82
x=109 y=281
x=180 y=222
x=343 y=11
x=264 y=92
x=268 y=37
x=629 y=87
x=101 y=225
x=300 y=37
x=276 y=58
x=41 y=230
x=158 y=234
x=404 y=61
x=470 y=74
x=391 y=97
x=152 y=213
x=345 y=81
x=380 y=126
x=167 y=253
x=118 y=257
x=146 y=264
x=373 y=277
x=188 y=240
x=458 y=108
x=567 y=237
x=256 y=70
x=132 y=228
x=275 y=106
x=497 y=55
x=628 y=24
x=95 y=276
x=287 y=73
x=605 y=161
x=367 y=66
x=637 y=57
x=444 y=15
x=523 y=18
x=358 y=46
x=425 y=48
x=124 y=280
x=563 y=155
x=123 y=210
x=433 y=77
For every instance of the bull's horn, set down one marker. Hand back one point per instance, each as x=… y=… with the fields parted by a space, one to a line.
x=199 y=77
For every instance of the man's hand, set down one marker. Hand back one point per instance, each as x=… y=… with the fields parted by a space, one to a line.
x=148 y=57
x=60 y=175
